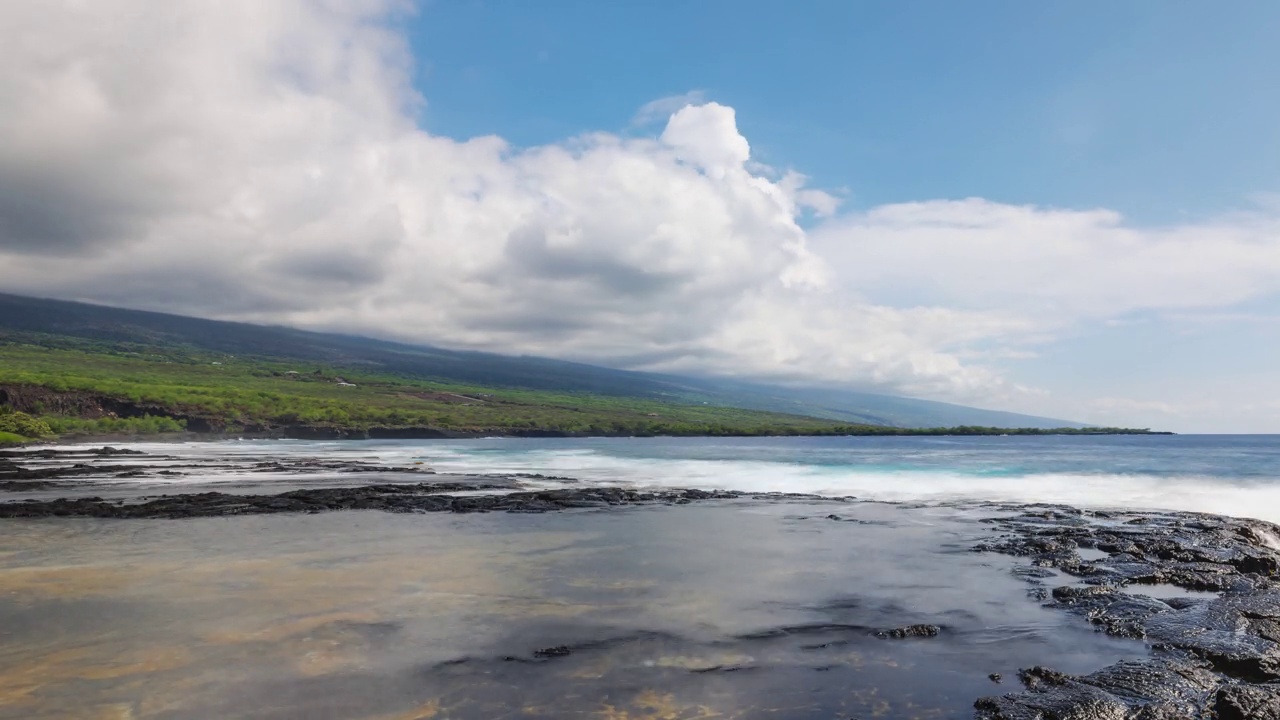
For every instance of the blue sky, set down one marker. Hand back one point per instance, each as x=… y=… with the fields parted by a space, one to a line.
x=1163 y=111
x=1070 y=209
x=1160 y=110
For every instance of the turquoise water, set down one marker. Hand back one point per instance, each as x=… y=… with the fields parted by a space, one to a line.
x=1235 y=475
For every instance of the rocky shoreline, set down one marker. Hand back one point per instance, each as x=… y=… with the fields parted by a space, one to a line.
x=422 y=497
x=1214 y=657
x=83 y=471
x=1202 y=591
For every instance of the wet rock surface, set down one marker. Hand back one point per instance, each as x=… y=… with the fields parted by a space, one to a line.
x=47 y=468
x=423 y=497
x=1239 y=702
x=84 y=475
x=1216 y=654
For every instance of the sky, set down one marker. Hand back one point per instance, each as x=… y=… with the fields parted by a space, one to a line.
x=1069 y=209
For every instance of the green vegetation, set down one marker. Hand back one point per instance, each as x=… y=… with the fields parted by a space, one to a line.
x=145 y=425
x=22 y=426
x=76 y=386
x=11 y=439
x=98 y=329
x=231 y=393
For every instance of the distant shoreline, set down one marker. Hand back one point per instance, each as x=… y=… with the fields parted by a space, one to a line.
x=355 y=434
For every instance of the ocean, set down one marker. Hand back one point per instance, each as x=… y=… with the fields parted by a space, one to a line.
x=1236 y=475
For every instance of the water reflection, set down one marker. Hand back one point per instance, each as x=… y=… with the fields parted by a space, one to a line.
x=736 y=610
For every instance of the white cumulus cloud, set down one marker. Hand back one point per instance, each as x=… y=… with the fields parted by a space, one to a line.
x=1057 y=265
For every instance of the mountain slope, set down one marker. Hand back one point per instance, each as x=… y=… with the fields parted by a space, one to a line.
x=56 y=322
x=874 y=408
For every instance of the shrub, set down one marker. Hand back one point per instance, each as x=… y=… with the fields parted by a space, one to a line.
x=148 y=424
x=19 y=423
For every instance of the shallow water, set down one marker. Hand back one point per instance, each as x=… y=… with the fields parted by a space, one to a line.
x=737 y=609
x=1092 y=554
x=1165 y=591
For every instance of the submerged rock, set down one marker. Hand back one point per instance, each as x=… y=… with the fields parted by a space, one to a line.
x=1151 y=689
x=910 y=631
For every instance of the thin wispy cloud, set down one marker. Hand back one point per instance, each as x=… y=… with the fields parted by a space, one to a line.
x=658 y=111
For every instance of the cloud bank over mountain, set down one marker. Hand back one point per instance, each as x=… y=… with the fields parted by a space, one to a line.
x=265 y=162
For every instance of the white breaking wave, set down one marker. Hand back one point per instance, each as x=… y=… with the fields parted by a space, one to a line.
x=1198 y=494
x=1257 y=499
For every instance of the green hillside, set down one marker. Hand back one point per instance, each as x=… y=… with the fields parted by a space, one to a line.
x=70 y=369
x=55 y=323
x=98 y=388
x=118 y=390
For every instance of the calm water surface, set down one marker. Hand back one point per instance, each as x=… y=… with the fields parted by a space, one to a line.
x=734 y=610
